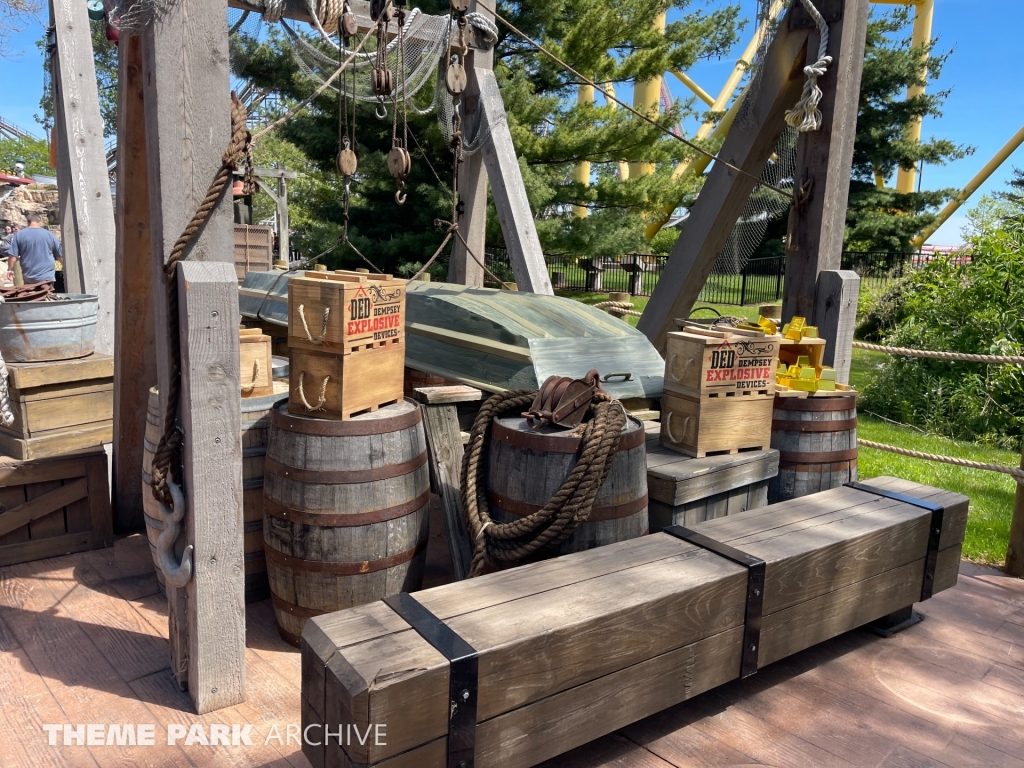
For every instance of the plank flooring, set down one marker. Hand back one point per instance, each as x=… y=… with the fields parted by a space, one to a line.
x=83 y=639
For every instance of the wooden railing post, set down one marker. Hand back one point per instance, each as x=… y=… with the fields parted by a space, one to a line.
x=1015 y=549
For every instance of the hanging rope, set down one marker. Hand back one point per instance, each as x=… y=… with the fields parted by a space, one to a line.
x=302 y=393
x=170 y=440
x=248 y=388
x=1014 y=472
x=960 y=357
x=497 y=543
x=806 y=116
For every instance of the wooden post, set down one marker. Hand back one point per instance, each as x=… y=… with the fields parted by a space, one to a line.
x=444 y=443
x=134 y=352
x=188 y=127
x=89 y=255
x=463 y=268
x=212 y=457
x=1015 y=549
x=725 y=192
x=835 y=315
x=284 y=244
x=513 y=207
x=824 y=157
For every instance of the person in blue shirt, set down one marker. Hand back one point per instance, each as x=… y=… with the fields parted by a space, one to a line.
x=37 y=248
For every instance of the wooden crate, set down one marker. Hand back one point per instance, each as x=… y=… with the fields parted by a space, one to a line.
x=257 y=364
x=734 y=362
x=53 y=507
x=59 y=407
x=363 y=312
x=254 y=249
x=358 y=383
x=716 y=424
x=577 y=647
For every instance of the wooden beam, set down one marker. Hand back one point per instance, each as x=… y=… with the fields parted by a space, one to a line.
x=513 y=207
x=463 y=268
x=298 y=10
x=444 y=442
x=725 y=192
x=824 y=157
x=86 y=161
x=212 y=457
x=134 y=350
x=188 y=126
x=283 y=233
x=1015 y=549
x=835 y=314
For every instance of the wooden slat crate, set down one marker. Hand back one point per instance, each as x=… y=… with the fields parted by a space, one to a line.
x=59 y=407
x=53 y=507
x=345 y=312
x=257 y=366
x=729 y=362
x=355 y=384
x=726 y=423
x=254 y=249
x=574 y=648
x=685 y=491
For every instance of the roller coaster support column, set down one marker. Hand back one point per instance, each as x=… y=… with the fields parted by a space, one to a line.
x=646 y=98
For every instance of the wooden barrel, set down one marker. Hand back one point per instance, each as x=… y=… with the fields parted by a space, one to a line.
x=526 y=467
x=817 y=442
x=345 y=511
x=255 y=429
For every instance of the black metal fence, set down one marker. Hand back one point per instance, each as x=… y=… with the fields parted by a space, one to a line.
x=761 y=281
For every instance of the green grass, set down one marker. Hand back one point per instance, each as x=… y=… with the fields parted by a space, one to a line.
x=991 y=494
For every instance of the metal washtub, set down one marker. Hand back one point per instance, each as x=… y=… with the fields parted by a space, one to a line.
x=39 y=331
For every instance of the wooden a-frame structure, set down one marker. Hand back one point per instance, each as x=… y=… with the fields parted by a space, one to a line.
x=173 y=128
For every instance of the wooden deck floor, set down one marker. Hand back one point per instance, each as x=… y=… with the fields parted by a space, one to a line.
x=83 y=640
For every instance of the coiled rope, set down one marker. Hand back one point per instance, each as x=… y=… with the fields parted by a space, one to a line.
x=497 y=543
x=6 y=414
x=238 y=149
x=960 y=357
x=806 y=116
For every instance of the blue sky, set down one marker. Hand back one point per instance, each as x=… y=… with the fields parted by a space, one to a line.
x=985 y=108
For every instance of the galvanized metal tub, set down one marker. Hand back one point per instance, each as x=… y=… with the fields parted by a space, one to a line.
x=40 y=331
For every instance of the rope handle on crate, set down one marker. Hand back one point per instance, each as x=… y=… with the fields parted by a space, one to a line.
x=302 y=393
x=247 y=388
x=305 y=326
x=668 y=428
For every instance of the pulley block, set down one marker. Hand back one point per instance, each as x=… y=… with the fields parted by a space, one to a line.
x=383 y=81
x=348 y=163
x=348 y=24
x=459 y=6
x=399 y=162
x=455 y=78
x=381 y=10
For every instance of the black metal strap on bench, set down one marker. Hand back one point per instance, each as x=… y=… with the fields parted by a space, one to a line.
x=934 y=532
x=462 y=677
x=755 y=590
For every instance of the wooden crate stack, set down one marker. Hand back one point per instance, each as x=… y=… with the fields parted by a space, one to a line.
x=346 y=343
x=571 y=649
x=59 y=407
x=719 y=387
x=256 y=363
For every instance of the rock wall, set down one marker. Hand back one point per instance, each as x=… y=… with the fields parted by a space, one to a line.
x=17 y=201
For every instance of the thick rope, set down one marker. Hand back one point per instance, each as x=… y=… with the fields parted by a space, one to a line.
x=302 y=393
x=806 y=116
x=485 y=26
x=1014 y=472
x=6 y=414
x=325 y=14
x=960 y=357
x=167 y=449
x=247 y=388
x=272 y=11
x=496 y=543
x=618 y=308
x=323 y=331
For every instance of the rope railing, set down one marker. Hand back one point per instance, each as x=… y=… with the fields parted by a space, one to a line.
x=959 y=357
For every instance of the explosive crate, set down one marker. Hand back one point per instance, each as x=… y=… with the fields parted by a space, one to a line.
x=719 y=386
x=346 y=343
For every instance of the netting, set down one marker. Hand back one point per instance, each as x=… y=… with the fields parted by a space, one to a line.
x=134 y=15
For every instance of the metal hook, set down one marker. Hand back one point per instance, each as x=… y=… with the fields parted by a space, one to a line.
x=378 y=109
x=400 y=196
